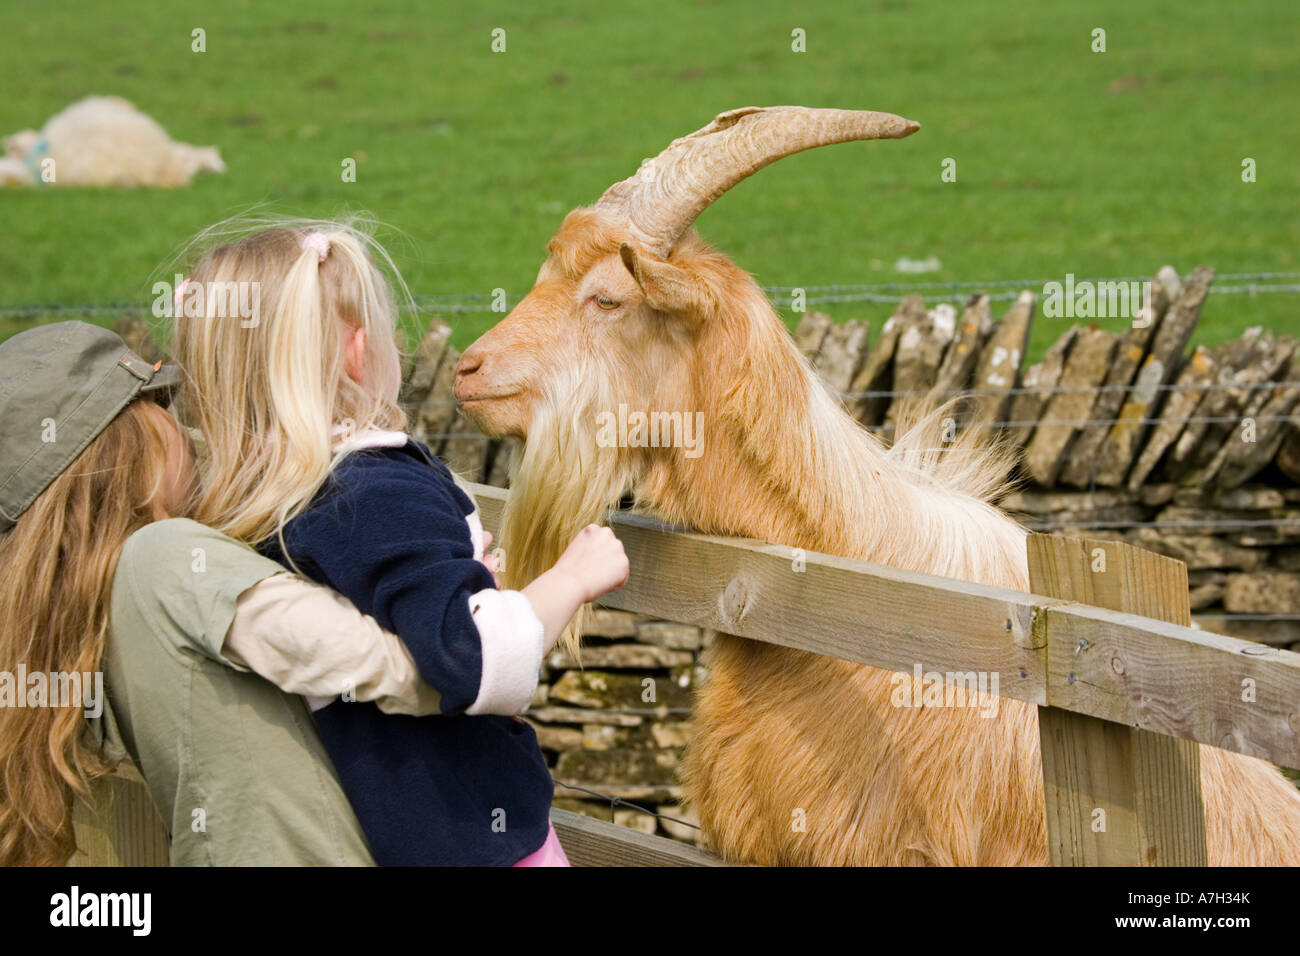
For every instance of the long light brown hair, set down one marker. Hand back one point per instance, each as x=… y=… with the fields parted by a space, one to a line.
x=58 y=561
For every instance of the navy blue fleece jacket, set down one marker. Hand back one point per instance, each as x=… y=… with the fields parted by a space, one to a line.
x=389 y=532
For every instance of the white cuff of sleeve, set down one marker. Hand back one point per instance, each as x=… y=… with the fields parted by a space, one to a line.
x=511 y=635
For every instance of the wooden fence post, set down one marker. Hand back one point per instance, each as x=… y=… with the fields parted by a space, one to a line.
x=1116 y=795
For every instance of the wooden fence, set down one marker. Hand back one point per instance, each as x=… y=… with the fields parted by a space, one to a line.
x=1125 y=688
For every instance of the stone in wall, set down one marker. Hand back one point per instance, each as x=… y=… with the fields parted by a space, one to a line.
x=1200 y=551
x=997 y=372
x=841 y=354
x=810 y=332
x=876 y=373
x=635 y=820
x=434 y=411
x=666 y=634
x=1288 y=454
x=1206 y=588
x=1278 y=633
x=1038 y=383
x=607 y=622
x=1238 y=365
x=608 y=689
x=623 y=655
x=963 y=354
x=1048 y=501
x=501 y=452
x=465 y=450
x=420 y=375
x=650 y=774
x=1085 y=369
x=1081 y=466
x=1179 y=406
x=1127 y=436
x=922 y=344
x=1248 y=451
x=581 y=715
x=1223 y=438
x=560 y=738
x=1262 y=592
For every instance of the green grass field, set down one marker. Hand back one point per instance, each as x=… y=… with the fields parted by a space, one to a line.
x=1097 y=164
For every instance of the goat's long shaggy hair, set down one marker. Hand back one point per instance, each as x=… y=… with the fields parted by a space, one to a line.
x=562 y=480
x=798 y=758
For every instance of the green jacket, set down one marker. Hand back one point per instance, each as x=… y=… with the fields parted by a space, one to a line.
x=234 y=764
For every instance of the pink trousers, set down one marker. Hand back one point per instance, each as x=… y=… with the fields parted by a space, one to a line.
x=550 y=854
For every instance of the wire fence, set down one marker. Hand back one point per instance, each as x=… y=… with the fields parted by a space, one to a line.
x=1010 y=392
x=616 y=802
x=1214 y=523
x=434 y=403
x=473 y=303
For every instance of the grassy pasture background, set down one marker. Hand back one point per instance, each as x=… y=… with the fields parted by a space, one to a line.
x=1099 y=164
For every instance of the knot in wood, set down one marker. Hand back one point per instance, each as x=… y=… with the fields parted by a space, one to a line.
x=735 y=600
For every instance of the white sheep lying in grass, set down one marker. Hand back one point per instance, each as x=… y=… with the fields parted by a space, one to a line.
x=103 y=141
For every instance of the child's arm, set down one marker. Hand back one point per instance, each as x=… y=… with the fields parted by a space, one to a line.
x=308 y=640
x=594 y=564
x=393 y=539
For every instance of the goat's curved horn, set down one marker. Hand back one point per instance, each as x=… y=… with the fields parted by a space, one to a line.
x=666 y=195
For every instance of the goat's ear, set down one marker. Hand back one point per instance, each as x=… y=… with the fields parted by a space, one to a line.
x=666 y=287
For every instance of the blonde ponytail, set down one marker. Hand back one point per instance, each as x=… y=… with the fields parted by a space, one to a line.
x=268 y=391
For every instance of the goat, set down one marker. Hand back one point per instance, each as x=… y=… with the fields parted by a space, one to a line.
x=631 y=308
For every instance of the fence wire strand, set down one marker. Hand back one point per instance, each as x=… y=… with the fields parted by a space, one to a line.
x=616 y=802
x=472 y=303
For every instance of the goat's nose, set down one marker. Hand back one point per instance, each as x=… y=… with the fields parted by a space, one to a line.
x=469 y=364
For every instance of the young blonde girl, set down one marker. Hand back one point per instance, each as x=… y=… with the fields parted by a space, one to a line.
x=308 y=460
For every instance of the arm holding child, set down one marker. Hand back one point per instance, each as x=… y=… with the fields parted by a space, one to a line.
x=392 y=536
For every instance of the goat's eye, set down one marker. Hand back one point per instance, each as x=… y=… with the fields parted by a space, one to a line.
x=604 y=303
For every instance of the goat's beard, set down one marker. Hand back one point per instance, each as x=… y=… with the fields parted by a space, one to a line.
x=561 y=480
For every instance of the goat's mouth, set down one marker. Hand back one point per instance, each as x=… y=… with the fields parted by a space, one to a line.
x=494 y=413
x=466 y=398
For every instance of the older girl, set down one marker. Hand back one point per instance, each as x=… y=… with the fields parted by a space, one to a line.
x=106 y=581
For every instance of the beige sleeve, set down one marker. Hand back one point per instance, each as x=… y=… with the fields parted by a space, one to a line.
x=309 y=640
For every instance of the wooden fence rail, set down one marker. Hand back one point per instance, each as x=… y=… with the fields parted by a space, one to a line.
x=1049 y=651
x=1096 y=670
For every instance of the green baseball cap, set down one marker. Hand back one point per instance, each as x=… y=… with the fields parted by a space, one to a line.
x=60 y=386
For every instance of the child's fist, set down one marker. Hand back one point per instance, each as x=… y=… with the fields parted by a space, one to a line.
x=596 y=560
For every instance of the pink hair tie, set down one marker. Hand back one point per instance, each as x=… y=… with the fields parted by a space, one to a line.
x=319 y=242
x=179 y=296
